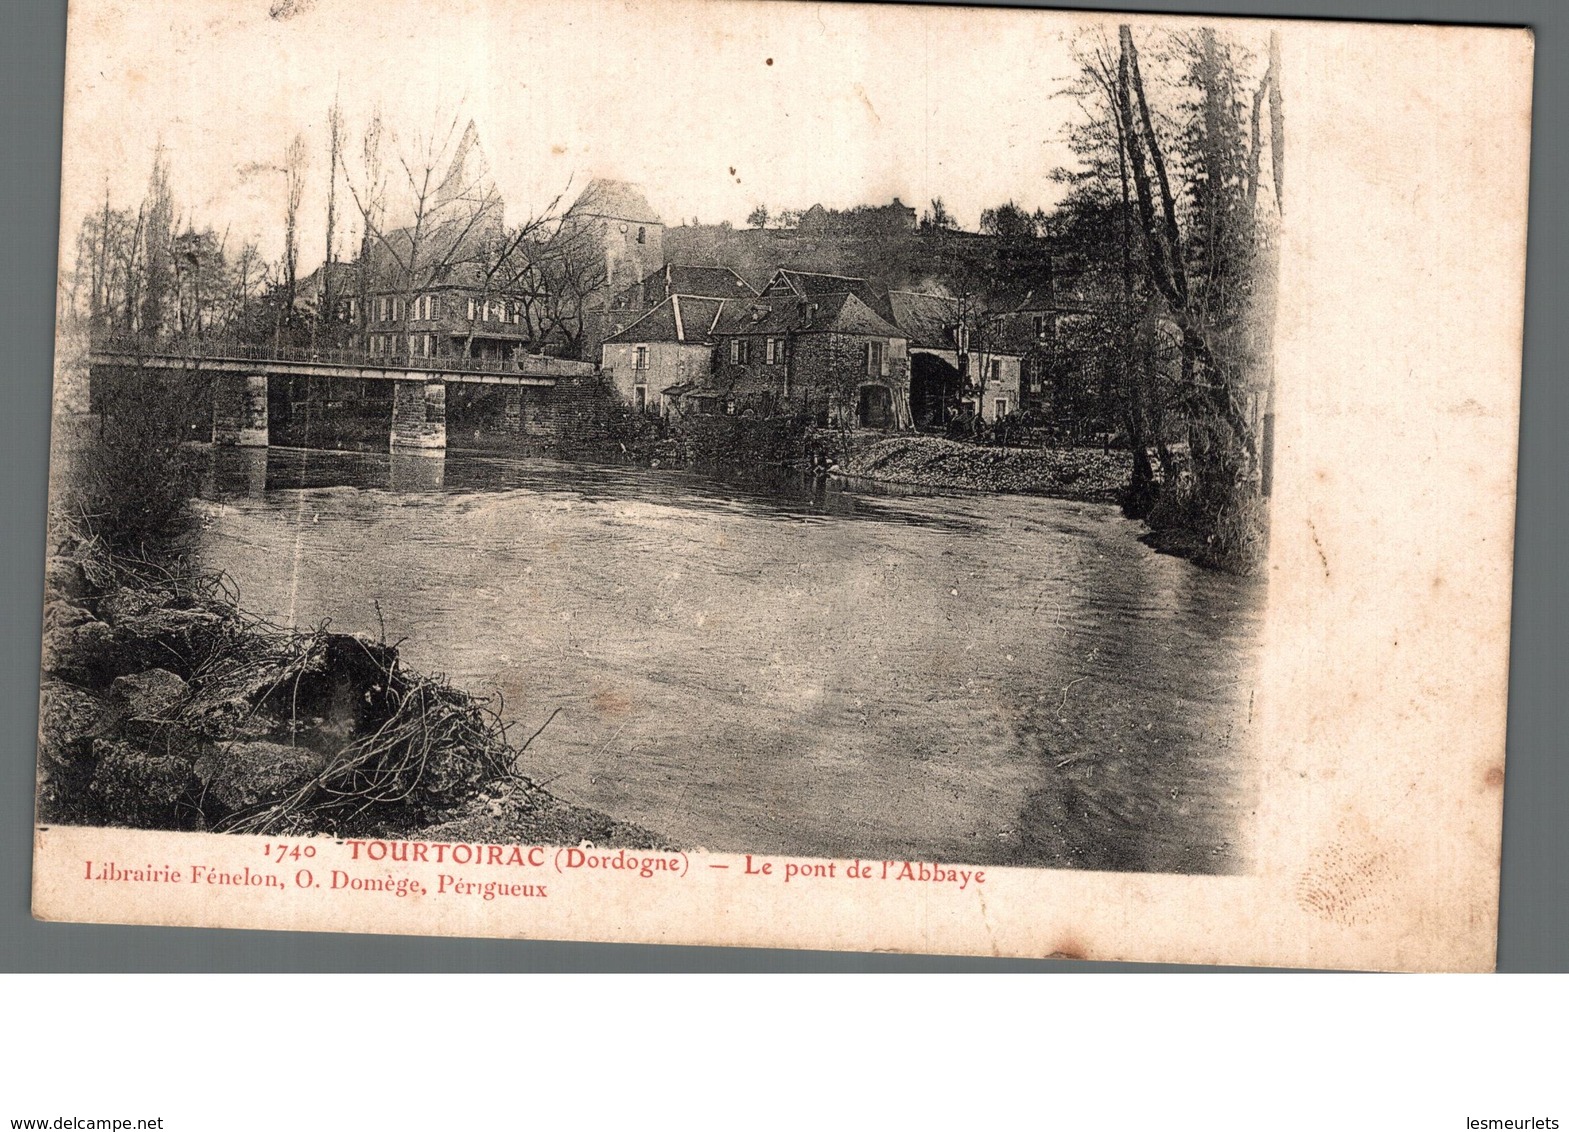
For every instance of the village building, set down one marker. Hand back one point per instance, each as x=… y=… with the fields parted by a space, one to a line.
x=661 y=330
x=615 y=240
x=962 y=361
x=865 y=220
x=438 y=284
x=624 y=226
x=825 y=353
x=828 y=355
x=663 y=352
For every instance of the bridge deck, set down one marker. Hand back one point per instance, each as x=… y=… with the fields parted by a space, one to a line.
x=526 y=370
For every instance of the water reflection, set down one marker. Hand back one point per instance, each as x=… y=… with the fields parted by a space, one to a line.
x=774 y=492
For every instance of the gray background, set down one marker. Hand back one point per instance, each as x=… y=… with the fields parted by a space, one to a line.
x=1535 y=897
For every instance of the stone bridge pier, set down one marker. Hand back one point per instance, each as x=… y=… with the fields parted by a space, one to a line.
x=419 y=417
x=239 y=410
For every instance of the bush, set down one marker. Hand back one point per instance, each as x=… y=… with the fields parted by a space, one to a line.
x=740 y=442
x=131 y=480
x=1238 y=540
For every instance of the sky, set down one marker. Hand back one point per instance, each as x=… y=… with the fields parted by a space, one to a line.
x=713 y=106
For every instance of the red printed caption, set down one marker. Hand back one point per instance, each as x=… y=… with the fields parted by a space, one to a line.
x=415 y=869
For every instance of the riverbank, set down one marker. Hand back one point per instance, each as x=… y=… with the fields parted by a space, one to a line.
x=1084 y=474
x=166 y=706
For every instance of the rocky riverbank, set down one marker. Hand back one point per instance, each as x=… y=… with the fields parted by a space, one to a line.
x=1063 y=473
x=165 y=706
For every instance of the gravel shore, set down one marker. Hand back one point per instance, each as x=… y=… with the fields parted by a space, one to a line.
x=1064 y=473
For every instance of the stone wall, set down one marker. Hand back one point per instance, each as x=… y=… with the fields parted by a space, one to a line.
x=831 y=368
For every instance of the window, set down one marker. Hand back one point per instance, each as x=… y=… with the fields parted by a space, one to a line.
x=425 y=350
x=472 y=307
x=640 y=398
x=1040 y=326
x=740 y=351
x=641 y=359
x=996 y=369
x=776 y=351
x=642 y=235
x=874 y=359
x=1001 y=408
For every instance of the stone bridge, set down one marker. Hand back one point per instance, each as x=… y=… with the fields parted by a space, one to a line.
x=250 y=383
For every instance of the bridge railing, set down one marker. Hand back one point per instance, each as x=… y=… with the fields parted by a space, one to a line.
x=221 y=350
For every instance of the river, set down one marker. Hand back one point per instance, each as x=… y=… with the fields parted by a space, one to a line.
x=778 y=667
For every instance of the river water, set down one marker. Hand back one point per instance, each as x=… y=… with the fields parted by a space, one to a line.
x=775 y=667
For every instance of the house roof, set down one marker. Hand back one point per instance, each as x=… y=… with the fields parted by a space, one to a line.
x=449 y=252
x=928 y=319
x=850 y=314
x=709 y=280
x=614 y=200
x=807 y=283
x=839 y=313
x=688 y=319
x=703 y=280
x=813 y=284
x=771 y=314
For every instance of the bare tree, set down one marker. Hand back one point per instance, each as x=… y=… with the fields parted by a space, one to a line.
x=569 y=276
x=295 y=161
x=452 y=211
x=155 y=235
x=328 y=310
x=511 y=268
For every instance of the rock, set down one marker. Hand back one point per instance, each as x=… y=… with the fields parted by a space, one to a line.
x=143 y=790
x=233 y=717
x=242 y=774
x=63 y=577
x=147 y=695
x=61 y=614
x=68 y=719
x=82 y=652
x=164 y=636
x=126 y=603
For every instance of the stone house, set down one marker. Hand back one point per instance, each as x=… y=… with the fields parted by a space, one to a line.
x=668 y=347
x=824 y=353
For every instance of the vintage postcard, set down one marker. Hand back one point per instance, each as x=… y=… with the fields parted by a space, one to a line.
x=744 y=472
